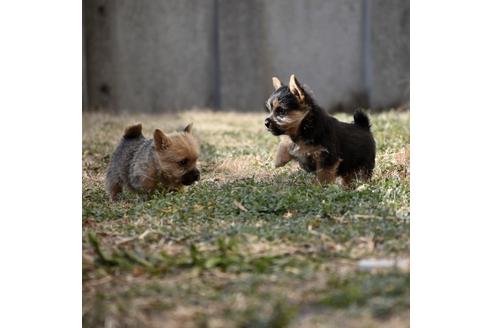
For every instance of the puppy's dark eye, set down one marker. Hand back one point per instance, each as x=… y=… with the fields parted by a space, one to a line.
x=281 y=111
x=183 y=162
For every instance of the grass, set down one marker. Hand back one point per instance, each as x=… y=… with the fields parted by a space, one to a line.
x=249 y=245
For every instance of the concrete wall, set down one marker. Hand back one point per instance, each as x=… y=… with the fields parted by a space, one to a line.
x=244 y=60
x=321 y=42
x=167 y=55
x=390 y=41
x=149 y=56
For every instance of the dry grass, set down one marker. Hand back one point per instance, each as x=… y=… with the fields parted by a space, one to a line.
x=249 y=245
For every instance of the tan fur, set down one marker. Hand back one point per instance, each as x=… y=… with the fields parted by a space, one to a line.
x=291 y=122
x=275 y=103
x=182 y=145
x=276 y=83
x=161 y=140
x=293 y=112
x=327 y=175
x=349 y=179
x=283 y=155
x=296 y=89
x=143 y=165
x=149 y=179
x=300 y=149
x=324 y=174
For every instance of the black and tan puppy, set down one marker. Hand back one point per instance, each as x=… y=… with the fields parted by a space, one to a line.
x=318 y=141
x=143 y=165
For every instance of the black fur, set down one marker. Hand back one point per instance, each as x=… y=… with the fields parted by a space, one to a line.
x=353 y=143
x=190 y=177
x=134 y=131
x=361 y=119
x=287 y=100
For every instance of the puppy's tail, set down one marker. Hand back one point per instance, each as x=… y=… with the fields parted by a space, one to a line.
x=362 y=120
x=133 y=131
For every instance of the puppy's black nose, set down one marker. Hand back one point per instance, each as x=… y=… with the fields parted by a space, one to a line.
x=196 y=175
x=268 y=122
x=190 y=177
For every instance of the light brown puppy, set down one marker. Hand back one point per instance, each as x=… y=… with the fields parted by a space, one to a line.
x=143 y=165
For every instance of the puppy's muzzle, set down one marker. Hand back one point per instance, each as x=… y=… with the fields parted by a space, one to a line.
x=190 y=177
x=272 y=127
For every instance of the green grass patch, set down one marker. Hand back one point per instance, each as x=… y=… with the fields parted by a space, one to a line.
x=249 y=245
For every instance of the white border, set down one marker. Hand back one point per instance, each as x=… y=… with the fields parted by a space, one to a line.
x=40 y=166
x=451 y=226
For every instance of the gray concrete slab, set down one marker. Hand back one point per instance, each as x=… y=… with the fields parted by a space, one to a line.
x=169 y=55
x=390 y=39
x=153 y=56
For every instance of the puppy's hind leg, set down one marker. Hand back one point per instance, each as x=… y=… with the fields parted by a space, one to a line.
x=350 y=179
x=326 y=175
x=283 y=155
x=327 y=172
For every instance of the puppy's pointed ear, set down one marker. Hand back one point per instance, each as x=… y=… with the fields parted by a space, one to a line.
x=188 y=128
x=161 y=141
x=276 y=83
x=296 y=89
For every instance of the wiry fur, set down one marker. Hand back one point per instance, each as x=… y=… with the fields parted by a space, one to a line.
x=318 y=141
x=133 y=131
x=361 y=119
x=143 y=165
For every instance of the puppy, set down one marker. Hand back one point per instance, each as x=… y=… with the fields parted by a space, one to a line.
x=143 y=165
x=318 y=141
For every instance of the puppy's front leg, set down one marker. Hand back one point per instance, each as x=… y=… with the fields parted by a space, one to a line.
x=283 y=155
x=142 y=178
